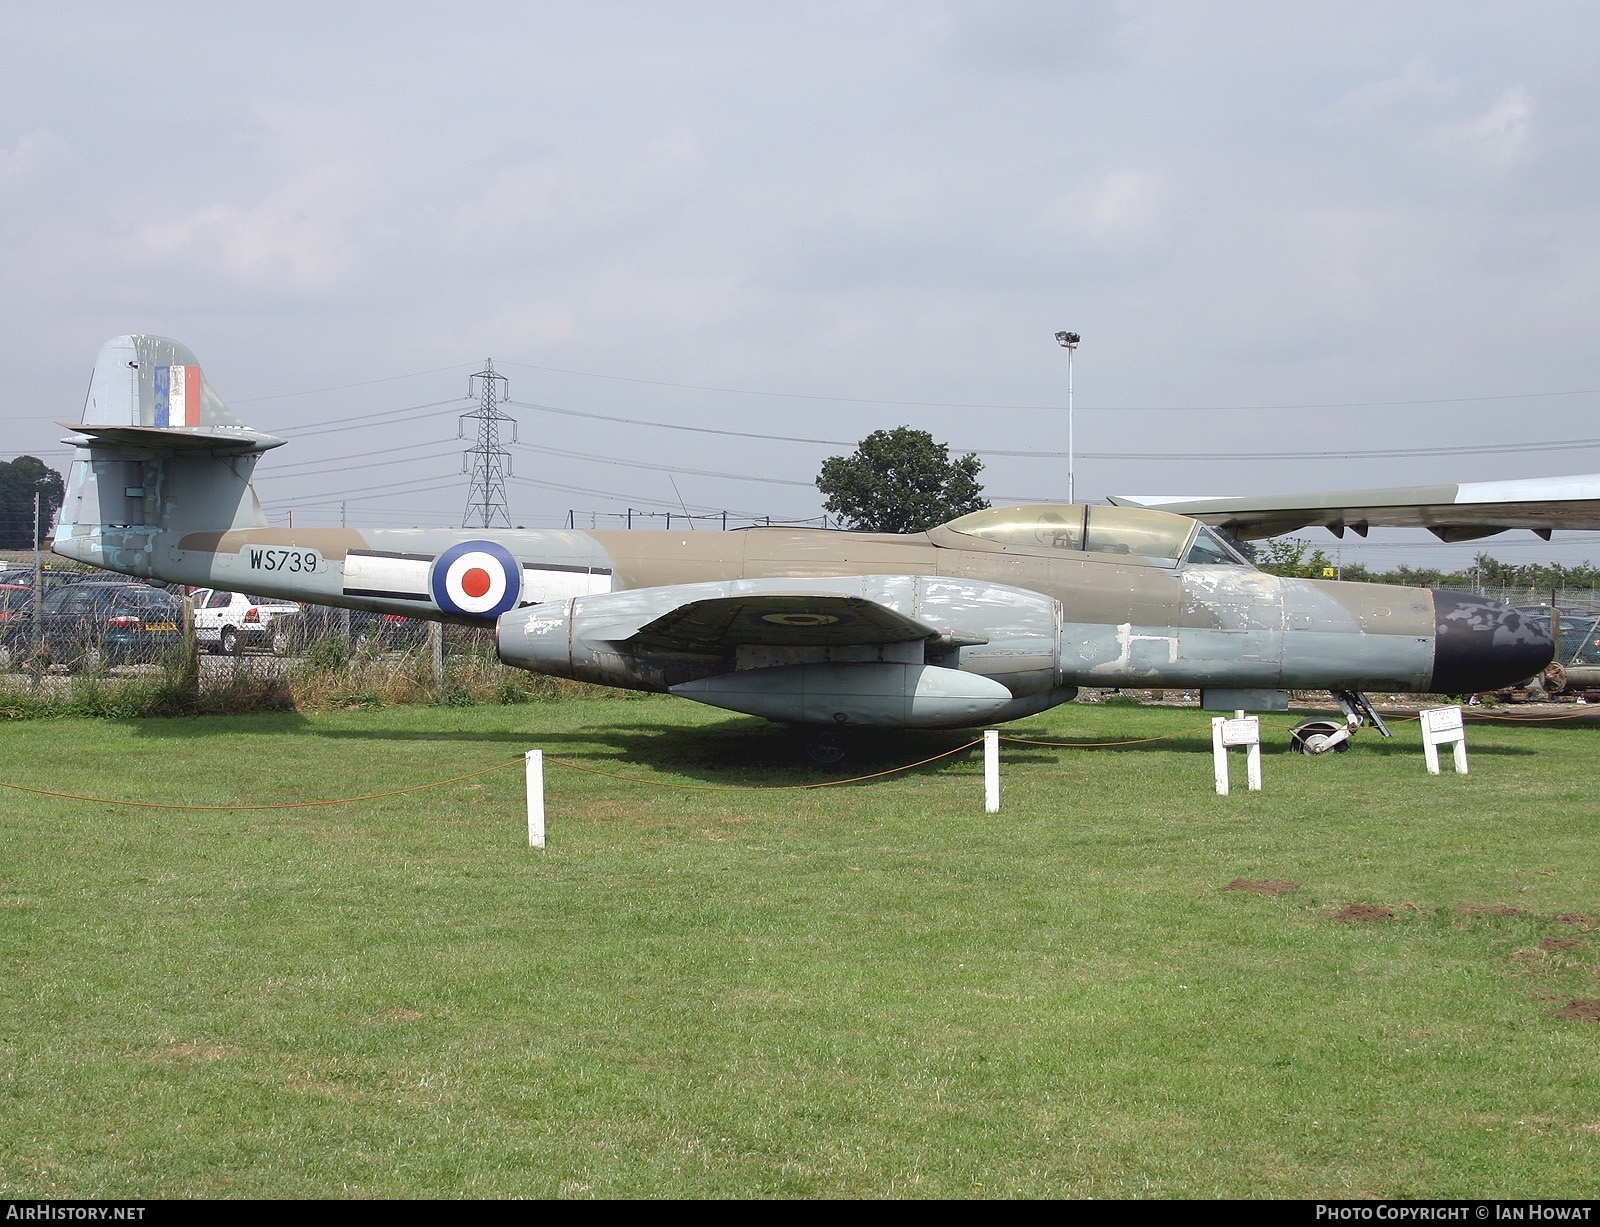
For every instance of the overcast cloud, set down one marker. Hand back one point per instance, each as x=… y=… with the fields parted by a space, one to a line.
x=1237 y=205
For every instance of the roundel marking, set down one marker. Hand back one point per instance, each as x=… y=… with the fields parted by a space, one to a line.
x=476 y=579
x=802 y=619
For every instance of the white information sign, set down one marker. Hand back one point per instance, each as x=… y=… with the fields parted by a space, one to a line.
x=1244 y=731
x=1441 y=719
x=1443 y=726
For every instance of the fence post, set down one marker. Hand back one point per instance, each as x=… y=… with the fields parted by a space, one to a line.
x=991 y=771
x=535 y=765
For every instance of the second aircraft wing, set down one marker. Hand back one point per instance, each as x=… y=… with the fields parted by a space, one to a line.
x=1462 y=512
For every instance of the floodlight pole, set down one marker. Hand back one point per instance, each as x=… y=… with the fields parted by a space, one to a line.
x=1069 y=342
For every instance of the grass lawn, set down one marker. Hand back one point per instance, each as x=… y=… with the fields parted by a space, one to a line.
x=870 y=990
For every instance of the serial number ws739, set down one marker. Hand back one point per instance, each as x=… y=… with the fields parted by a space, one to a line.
x=274 y=558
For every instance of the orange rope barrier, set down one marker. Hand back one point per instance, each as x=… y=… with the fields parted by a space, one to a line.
x=1097 y=745
x=635 y=779
x=398 y=792
x=372 y=796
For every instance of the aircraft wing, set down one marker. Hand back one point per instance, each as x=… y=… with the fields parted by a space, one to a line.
x=1462 y=512
x=779 y=619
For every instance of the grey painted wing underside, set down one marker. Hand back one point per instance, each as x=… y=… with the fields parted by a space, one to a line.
x=779 y=620
x=1452 y=513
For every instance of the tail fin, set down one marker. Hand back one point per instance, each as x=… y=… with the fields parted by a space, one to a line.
x=152 y=381
x=158 y=453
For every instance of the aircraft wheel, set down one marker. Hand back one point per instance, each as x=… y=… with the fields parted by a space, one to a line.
x=1313 y=737
x=229 y=643
x=1554 y=678
x=826 y=748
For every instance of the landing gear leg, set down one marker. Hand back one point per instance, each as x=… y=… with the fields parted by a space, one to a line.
x=1323 y=736
x=826 y=748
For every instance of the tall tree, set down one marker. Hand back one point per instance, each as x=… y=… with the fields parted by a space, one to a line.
x=900 y=481
x=1287 y=556
x=19 y=479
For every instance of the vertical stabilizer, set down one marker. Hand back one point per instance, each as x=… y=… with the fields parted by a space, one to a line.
x=142 y=380
x=159 y=455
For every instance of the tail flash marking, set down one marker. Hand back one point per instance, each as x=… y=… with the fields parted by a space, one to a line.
x=177 y=396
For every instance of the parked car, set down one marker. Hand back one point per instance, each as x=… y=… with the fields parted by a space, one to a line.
x=13 y=598
x=382 y=630
x=87 y=625
x=53 y=578
x=226 y=621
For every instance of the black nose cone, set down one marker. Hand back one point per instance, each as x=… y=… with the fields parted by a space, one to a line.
x=1481 y=644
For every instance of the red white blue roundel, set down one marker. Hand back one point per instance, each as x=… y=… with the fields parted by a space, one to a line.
x=477 y=579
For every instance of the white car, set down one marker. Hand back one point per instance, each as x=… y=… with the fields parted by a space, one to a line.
x=226 y=621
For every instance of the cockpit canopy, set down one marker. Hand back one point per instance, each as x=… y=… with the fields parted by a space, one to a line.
x=1158 y=538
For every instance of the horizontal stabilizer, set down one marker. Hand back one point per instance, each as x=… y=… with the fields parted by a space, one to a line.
x=185 y=440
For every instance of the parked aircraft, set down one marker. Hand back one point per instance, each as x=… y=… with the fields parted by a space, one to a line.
x=994 y=616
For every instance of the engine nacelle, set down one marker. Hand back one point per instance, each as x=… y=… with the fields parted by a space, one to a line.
x=1007 y=639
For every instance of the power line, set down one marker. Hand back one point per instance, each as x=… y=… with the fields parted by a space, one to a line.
x=934 y=404
x=279 y=469
x=663 y=468
x=365 y=383
x=361 y=420
x=446 y=481
x=700 y=430
x=631 y=498
x=1557 y=445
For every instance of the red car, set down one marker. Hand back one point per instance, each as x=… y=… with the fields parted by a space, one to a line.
x=13 y=597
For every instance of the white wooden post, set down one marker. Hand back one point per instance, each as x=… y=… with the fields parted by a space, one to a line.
x=1443 y=726
x=535 y=763
x=991 y=771
x=1242 y=730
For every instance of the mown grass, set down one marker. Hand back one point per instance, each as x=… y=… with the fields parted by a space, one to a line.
x=871 y=990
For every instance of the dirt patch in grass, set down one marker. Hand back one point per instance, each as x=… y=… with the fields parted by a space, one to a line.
x=1272 y=886
x=1574 y=918
x=188 y=1052
x=1584 y=1009
x=1561 y=943
x=1487 y=909
x=1362 y=913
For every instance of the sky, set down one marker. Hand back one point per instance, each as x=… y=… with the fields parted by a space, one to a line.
x=1307 y=247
